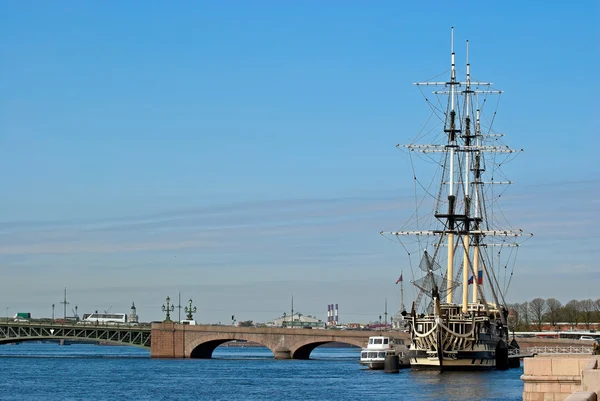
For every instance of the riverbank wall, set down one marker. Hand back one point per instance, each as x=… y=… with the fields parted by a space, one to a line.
x=556 y=377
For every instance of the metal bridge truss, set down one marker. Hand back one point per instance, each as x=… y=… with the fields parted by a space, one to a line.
x=131 y=335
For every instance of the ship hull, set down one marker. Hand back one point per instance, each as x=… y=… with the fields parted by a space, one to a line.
x=476 y=360
x=456 y=343
x=374 y=365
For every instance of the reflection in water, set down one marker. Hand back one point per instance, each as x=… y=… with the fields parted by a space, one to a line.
x=450 y=386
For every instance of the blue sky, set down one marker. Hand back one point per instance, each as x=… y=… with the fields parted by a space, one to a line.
x=242 y=152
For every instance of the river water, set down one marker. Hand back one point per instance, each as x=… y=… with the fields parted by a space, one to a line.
x=34 y=371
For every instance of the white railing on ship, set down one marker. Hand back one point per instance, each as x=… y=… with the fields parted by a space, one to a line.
x=551 y=350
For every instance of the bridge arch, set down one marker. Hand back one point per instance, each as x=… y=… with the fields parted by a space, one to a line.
x=203 y=347
x=303 y=350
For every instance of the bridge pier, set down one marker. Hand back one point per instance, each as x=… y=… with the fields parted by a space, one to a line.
x=283 y=353
x=167 y=341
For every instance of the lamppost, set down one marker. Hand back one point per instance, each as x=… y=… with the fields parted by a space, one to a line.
x=379 y=322
x=52 y=312
x=283 y=324
x=391 y=323
x=169 y=308
x=190 y=311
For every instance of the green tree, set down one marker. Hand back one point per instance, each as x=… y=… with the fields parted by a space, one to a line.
x=537 y=307
x=524 y=316
x=586 y=308
x=514 y=318
x=571 y=312
x=553 y=306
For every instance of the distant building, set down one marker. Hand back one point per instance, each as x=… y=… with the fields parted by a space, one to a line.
x=133 y=317
x=298 y=321
x=333 y=318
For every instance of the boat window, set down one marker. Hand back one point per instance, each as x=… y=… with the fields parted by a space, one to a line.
x=378 y=341
x=381 y=355
x=372 y=354
x=363 y=354
x=370 y=341
x=385 y=340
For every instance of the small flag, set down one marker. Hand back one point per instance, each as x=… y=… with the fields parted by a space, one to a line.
x=479 y=278
x=400 y=279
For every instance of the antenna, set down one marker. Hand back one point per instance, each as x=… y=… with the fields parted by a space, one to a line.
x=64 y=302
x=179 y=307
x=385 y=313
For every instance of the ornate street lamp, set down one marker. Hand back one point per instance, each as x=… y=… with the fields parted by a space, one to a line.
x=190 y=311
x=169 y=308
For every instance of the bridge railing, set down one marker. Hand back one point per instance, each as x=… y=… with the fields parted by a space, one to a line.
x=582 y=350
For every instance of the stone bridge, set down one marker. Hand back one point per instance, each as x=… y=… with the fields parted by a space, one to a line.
x=171 y=340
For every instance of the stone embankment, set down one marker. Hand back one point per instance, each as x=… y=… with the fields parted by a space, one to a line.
x=556 y=377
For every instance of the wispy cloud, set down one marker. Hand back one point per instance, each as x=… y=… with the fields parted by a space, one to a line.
x=210 y=227
x=239 y=245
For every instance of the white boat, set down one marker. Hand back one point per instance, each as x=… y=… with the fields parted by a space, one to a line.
x=378 y=347
x=457 y=237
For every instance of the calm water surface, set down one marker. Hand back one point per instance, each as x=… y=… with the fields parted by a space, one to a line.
x=32 y=371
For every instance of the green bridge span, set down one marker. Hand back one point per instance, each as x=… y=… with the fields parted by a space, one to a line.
x=137 y=336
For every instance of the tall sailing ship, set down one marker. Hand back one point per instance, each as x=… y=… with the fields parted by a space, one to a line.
x=461 y=229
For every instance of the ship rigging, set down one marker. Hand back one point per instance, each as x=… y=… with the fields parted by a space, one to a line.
x=463 y=231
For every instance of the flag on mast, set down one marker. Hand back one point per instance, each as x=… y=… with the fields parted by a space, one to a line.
x=479 y=278
x=400 y=279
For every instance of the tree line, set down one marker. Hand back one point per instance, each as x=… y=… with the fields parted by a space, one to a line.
x=533 y=315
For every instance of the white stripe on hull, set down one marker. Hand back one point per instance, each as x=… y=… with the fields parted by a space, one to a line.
x=450 y=364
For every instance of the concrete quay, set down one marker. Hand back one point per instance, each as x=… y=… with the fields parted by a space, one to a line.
x=556 y=377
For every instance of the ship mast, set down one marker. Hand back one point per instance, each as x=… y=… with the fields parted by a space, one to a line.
x=451 y=131
x=477 y=177
x=466 y=184
x=402 y=308
x=465 y=222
